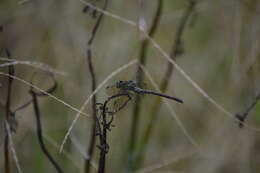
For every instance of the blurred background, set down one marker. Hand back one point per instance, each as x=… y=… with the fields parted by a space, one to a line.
x=220 y=51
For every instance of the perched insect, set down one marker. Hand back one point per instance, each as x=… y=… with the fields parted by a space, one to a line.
x=129 y=88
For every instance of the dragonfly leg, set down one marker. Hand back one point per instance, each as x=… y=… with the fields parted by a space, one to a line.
x=104 y=147
x=125 y=103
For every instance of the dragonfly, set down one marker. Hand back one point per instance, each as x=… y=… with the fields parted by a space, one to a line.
x=130 y=87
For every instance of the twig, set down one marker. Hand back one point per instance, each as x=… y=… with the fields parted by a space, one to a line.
x=93 y=78
x=35 y=64
x=106 y=125
x=139 y=74
x=47 y=94
x=39 y=129
x=242 y=116
x=176 y=50
x=109 y=14
x=23 y=106
x=8 y=115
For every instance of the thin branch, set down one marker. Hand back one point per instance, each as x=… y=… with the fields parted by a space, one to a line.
x=35 y=64
x=94 y=100
x=47 y=94
x=242 y=116
x=106 y=125
x=6 y=154
x=96 y=26
x=39 y=131
x=140 y=76
x=8 y=114
x=177 y=45
x=129 y=22
x=23 y=106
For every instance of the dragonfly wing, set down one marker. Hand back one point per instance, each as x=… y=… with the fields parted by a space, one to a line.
x=118 y=103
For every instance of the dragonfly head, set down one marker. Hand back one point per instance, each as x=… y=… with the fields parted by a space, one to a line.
x=121 y=84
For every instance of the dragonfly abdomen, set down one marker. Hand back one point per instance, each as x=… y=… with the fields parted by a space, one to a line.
x=142 y=91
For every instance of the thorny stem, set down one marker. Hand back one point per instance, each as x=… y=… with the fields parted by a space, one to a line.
x=93 y=78
x=8 y=114
x=176 y=50
x=39 y=132
x=139 y=73
x=242 y=116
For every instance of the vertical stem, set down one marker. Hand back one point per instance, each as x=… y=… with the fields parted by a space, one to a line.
x=6 y=153
x=104 y=147
x=39 y=132
x=8 y=114
x=139 y=73
x=94 y=100
x=93 y=130
x=39 y=126
x=103 y=143
x=165 y=82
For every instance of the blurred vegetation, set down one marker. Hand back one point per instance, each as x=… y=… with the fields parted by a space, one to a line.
x=221 y=52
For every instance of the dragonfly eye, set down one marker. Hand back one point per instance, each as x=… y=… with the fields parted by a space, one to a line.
x=118 y=84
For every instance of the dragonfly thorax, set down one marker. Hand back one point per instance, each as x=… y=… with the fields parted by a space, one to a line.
x=126 y=85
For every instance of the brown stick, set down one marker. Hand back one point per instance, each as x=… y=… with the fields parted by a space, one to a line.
x=8 y=114
x=94 y=100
